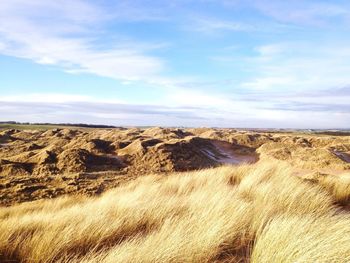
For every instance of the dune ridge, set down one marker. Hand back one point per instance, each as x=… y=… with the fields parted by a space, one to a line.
x=37 y=164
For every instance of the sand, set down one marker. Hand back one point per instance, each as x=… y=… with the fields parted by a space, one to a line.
x=50 y=163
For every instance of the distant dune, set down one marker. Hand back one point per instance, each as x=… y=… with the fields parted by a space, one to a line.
x=37 y=164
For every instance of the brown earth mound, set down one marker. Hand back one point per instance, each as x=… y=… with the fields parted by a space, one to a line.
x=175 y=155
x=165 y=133
x=91 y=160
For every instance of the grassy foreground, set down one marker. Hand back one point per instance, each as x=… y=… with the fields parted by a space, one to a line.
x=252 y=213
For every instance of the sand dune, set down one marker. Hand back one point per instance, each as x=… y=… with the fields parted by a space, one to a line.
x=46 y=164
x=172 y=195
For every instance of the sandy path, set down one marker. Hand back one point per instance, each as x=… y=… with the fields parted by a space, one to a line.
x=344 y=156
x=225 y=154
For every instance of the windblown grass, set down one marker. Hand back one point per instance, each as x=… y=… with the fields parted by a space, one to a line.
x=324 y=239
x=251 y=213
x=338 y=187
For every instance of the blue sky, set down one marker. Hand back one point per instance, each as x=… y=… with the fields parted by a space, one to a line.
x=253 y=63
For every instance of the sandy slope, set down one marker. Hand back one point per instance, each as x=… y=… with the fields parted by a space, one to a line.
x=45 y=164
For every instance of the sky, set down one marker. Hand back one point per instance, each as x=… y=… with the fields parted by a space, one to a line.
x=192 y=63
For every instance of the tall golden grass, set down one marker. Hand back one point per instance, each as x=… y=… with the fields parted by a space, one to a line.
x=250 y=213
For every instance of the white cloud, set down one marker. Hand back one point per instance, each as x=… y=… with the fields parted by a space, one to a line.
x=298 y=66
x=270 y=50
x=186 y=109
x=211 y=25
x=55 y=98
x=268 y=83
x=188 y=97
x=42 y=31
x=312 y=13
x=67 y=34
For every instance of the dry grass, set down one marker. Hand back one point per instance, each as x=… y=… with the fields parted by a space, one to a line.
x=338 y=187
x=323 y=239
x=251 y=213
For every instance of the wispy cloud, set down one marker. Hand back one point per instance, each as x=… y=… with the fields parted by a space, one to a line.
x=311 y=107
x=66 y=34
x=312 y=13
x=264 y=111
x=278 y=61
x=214 y=25
x=133 y=114
x=297 y=66
x=73 y=108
